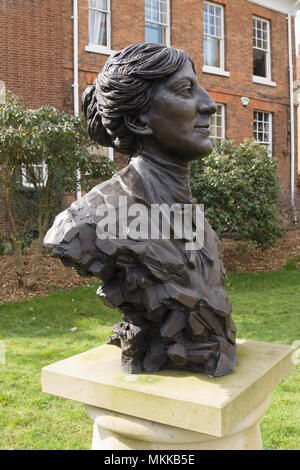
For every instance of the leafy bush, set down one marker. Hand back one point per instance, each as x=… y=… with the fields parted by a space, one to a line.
x=46 y=147
x=239 y=187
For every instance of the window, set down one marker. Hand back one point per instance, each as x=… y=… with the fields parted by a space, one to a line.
x=263 y=128
x=104 y=151
x=99 y=24
x=261 y=51
x=40 y=173
x=101 y=151
x=157 y=21
x=217 y=124
x=213 y=30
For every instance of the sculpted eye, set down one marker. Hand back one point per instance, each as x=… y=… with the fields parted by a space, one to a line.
x=186 y=91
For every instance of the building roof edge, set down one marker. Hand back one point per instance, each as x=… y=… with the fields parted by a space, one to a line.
x=282 y=6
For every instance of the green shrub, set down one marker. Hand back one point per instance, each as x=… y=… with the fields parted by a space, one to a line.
x=239 y=187
x=56 y=142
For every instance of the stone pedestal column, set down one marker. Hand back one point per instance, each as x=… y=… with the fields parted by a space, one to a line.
x=172 y=410
x=122 y=432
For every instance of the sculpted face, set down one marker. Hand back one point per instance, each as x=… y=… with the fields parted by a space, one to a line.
x=177 y=122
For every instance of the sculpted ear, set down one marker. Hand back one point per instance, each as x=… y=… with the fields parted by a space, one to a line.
x=138 y=124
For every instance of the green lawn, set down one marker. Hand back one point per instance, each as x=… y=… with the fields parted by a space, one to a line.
x=39 y=331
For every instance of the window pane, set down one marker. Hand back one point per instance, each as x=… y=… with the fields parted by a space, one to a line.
x=156 y=21
x=28 y=178
x=155 y=33
x=260 y=137
x=211 y=52
x=163 y=11
x=212 y=20
x=260 y=34
x=217 y=124
x=98 y=4
x=148 y=14
x=97 y=28
x=156 y=11
x=211 y=30
x=218 y=27
x=259 y=63
x=38 y=174
x=262 y=129
x=205 y=20
x=213 y=130
x=98 y=150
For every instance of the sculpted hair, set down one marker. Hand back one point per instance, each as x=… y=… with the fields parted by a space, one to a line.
x=125 y=86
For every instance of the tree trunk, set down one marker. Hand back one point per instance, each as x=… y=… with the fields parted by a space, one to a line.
x=34 y=269
x=7 y=176
x=19 y=262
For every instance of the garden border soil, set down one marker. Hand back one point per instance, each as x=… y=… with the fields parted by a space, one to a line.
x=237 y=256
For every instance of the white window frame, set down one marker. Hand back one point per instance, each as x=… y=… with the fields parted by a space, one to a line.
x=166 y=25
x=95 y=47
x=25 y=180
x=223 y=123
x=111 y=153
x=255 y=78
x=269 y=142
x=207 y=68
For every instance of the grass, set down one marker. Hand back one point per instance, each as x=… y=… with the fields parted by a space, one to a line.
x=41 y=331
x=36 y=333
x=266 y=307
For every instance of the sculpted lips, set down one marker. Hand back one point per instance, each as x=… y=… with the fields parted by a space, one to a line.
x=203 y=128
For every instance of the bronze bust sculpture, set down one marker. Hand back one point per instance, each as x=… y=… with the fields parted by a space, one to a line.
x=147 y=103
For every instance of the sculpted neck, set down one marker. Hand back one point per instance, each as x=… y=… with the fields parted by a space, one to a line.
x=165 y=157
x=169 y=179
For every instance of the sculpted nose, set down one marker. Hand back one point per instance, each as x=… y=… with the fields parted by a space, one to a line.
x=206 y=103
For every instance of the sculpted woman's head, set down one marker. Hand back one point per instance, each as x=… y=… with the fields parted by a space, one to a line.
x=147 y=97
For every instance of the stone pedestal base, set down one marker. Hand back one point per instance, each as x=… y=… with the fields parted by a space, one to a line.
x=116 y=431
x=172 y=410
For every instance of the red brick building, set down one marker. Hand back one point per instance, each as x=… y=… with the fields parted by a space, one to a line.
x=297 y=100
x=298 y=63
x=240 y=49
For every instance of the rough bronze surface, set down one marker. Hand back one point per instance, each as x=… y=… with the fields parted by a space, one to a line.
x=147 y=103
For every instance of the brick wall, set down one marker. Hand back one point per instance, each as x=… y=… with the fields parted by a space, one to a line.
x=298 y=107
x=31 y=59
x=32 y=42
